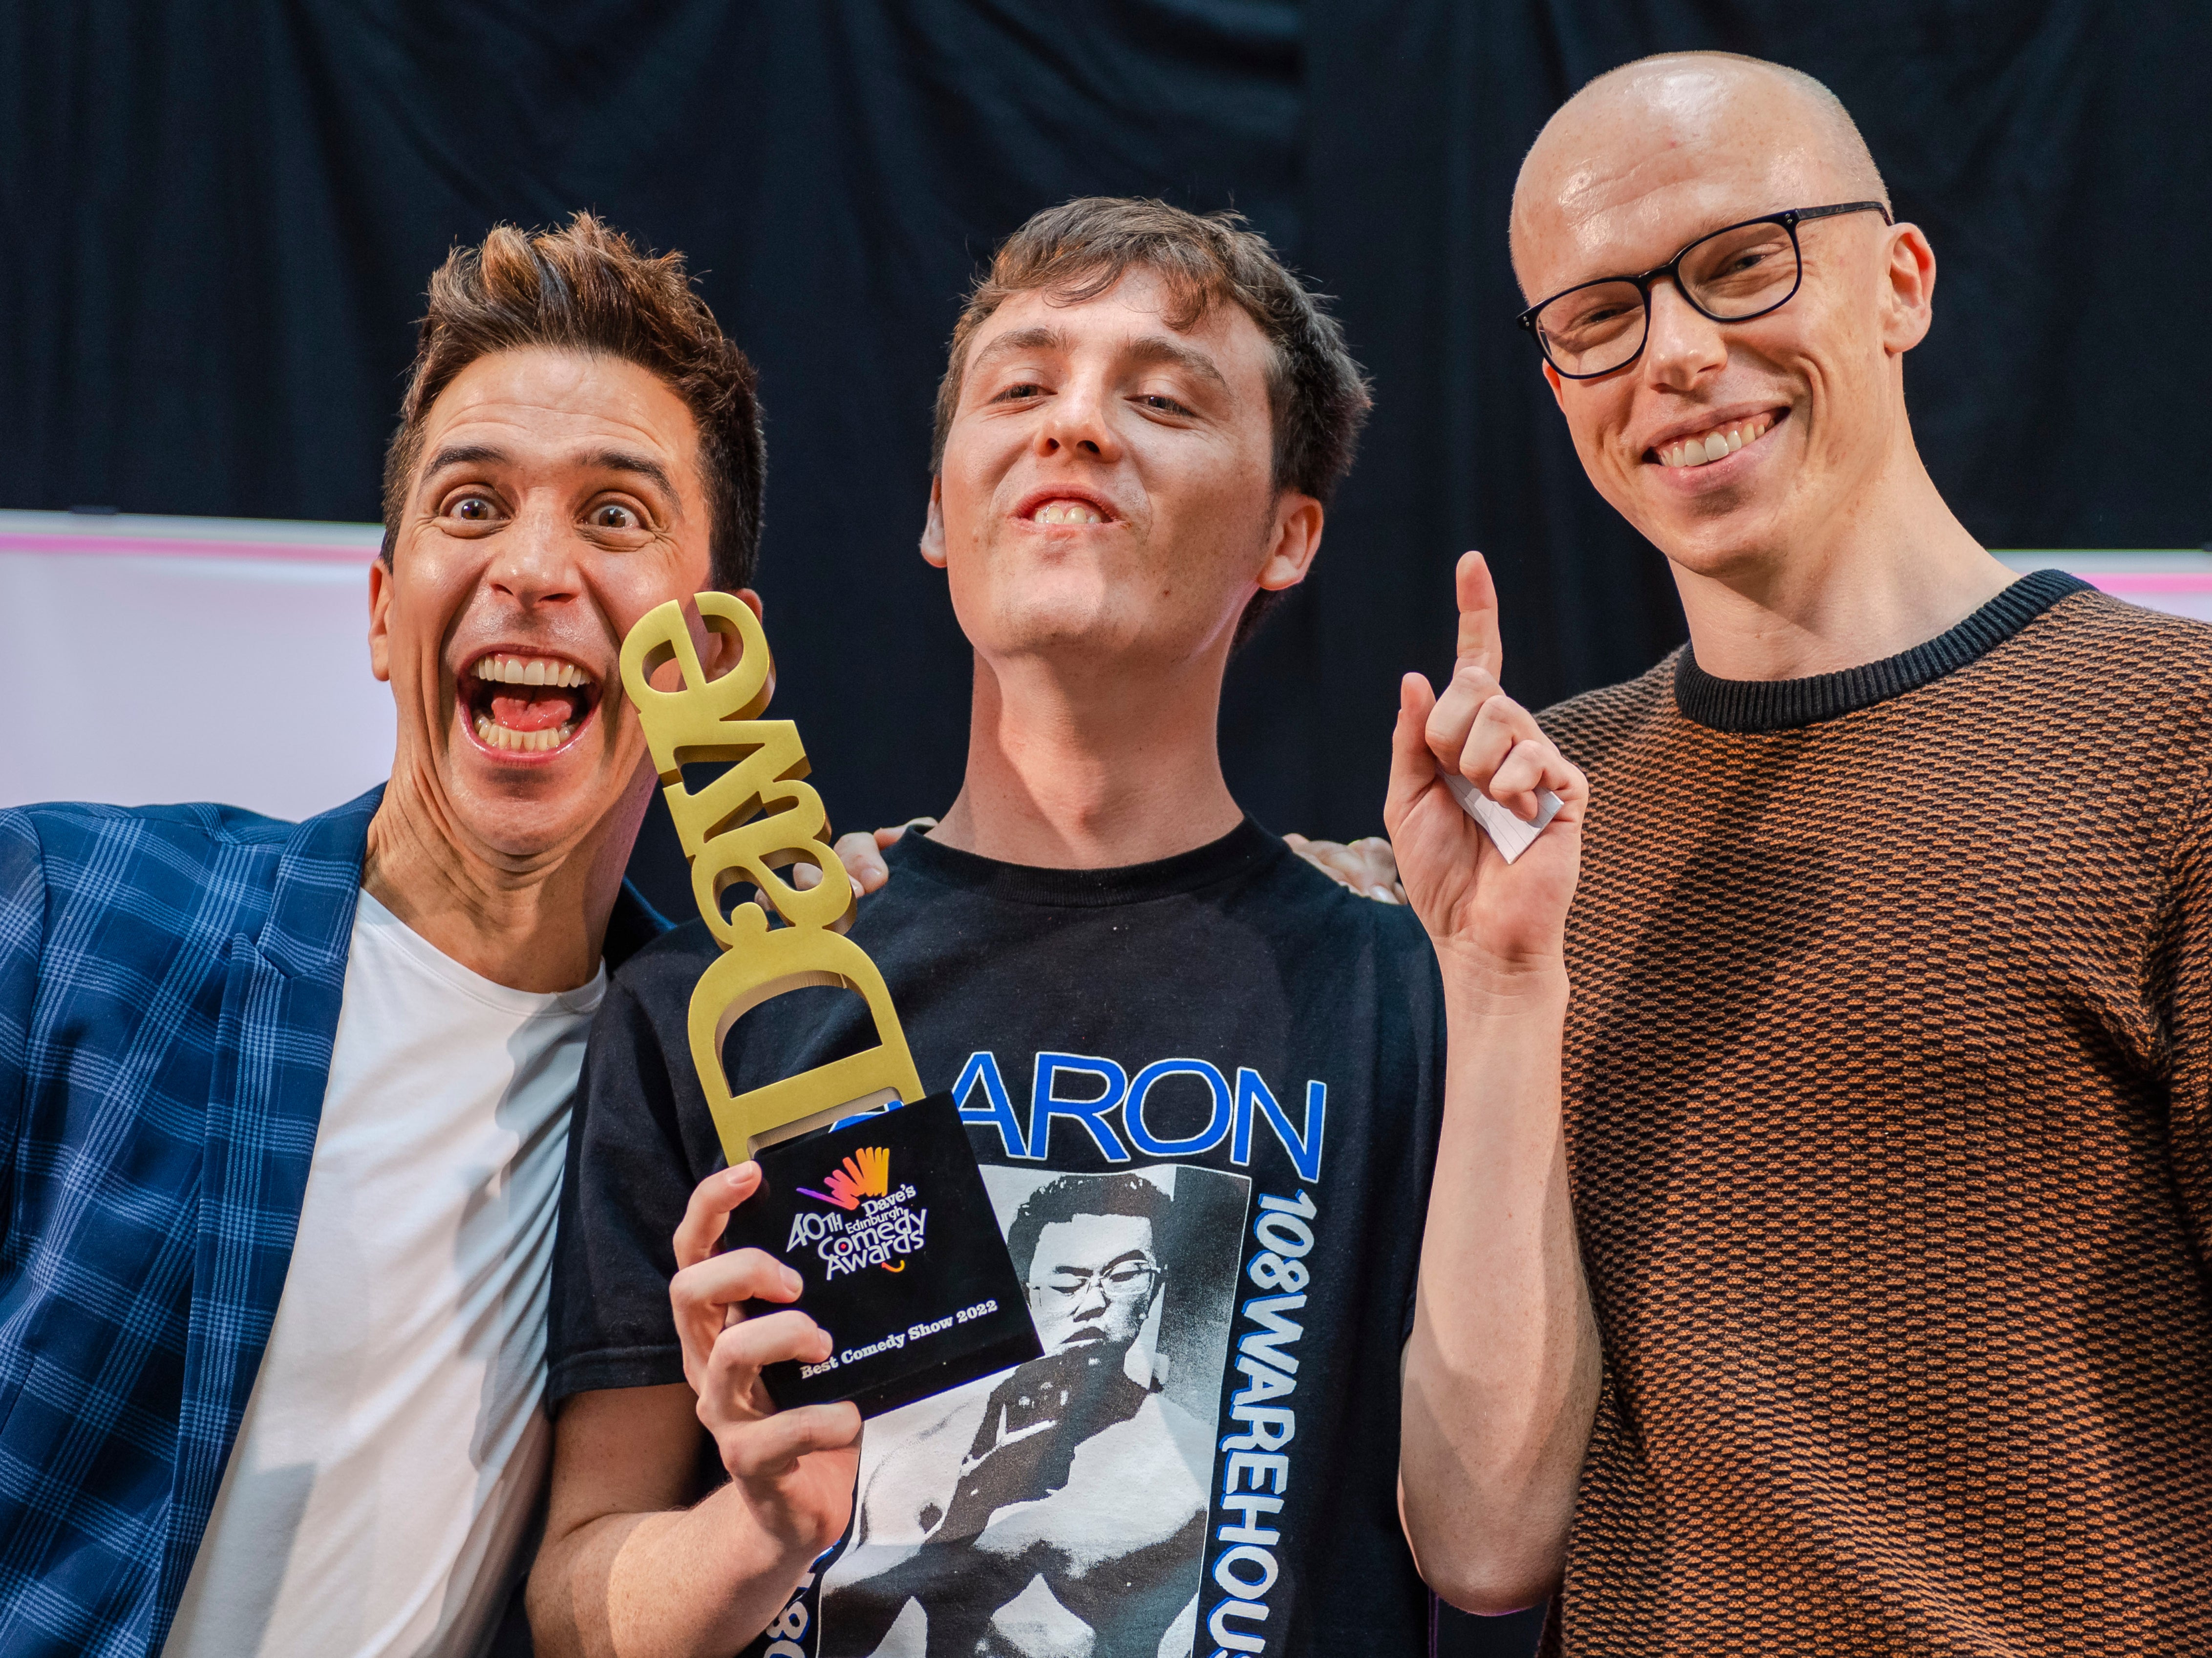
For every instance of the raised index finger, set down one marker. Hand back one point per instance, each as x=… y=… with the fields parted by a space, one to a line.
x=1479 y=640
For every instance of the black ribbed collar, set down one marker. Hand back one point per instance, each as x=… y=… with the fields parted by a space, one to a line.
x=1773 y=705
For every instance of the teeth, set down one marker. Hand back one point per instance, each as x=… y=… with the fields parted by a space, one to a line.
x=1696 y=452
x=529 y=670
x=494 y=735
x=1065 y=513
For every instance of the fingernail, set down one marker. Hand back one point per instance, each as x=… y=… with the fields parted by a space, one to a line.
x=792 y=1281
x=737 y=1175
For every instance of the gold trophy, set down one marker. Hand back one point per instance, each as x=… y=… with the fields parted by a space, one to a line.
x=904 y=1188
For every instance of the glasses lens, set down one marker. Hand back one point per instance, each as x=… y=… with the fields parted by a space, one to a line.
x=1593 y=330
x=1741 y=272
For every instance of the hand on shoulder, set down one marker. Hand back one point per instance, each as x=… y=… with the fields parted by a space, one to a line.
x=1367 y=866
x=862 y=854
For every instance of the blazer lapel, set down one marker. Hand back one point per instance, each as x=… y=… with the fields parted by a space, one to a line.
x=280 y=1017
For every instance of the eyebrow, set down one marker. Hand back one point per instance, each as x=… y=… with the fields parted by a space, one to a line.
x=644 y=466
x=1025 y=339
x=1137 y=1253
x=465 y=454
x=1145 y=349
x=608 y=460
x=1153 y=349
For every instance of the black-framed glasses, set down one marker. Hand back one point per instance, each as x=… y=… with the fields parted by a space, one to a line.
x=1730 y=275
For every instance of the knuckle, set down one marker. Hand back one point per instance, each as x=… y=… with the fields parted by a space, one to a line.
x=751 y=1264
x=729 y=1358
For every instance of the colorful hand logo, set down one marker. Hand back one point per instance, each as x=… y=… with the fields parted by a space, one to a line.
x=866 y=1173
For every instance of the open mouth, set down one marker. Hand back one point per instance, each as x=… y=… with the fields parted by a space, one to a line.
x=525 y=705
x=1717 y=442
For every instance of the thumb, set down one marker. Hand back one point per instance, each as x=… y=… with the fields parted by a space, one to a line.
x=1412 y=766
x=707 y=1215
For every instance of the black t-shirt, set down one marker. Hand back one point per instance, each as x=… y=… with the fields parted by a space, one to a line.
x=1205 y=1093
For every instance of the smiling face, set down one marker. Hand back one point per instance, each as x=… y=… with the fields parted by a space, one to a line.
x=1108 y=486
x=557 y=499
x=1727 y=445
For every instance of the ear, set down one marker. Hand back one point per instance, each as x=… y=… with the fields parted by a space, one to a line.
x=1559 y=386
x=721 y=652
x=380 y=618
x=1295 y=540
x=933 y=527
x=717 y=651
x=1909 y=289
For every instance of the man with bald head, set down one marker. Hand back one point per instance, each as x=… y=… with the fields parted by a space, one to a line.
x=1880 y=1322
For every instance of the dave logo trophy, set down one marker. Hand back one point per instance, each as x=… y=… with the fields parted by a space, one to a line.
x=883 y=1216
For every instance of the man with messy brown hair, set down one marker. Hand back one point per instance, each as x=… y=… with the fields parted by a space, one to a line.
x=286 y=1104
x=1316 y=398
x=1202 y=1079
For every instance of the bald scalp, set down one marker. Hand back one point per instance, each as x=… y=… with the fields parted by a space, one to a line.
x=1685 y=99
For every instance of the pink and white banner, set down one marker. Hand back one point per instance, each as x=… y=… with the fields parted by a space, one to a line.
x=154 y=660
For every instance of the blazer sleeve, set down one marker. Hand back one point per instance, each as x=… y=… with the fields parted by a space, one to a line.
x=23 y=941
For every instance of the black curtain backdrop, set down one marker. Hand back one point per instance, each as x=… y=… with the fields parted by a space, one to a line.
x=221 y=218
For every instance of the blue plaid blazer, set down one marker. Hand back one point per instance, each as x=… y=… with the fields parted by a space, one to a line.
x=169 y=987
x=170 y=980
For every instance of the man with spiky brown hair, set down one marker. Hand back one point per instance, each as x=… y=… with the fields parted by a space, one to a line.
x=286 y=1105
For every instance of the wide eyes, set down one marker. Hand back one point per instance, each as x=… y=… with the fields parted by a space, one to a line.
x=480 y=506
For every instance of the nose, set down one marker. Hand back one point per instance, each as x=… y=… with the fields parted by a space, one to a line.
x=1078 y=420
x=1684 y=345
x=534 y=562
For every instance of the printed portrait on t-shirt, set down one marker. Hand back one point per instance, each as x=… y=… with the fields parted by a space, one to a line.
x=1060 y=1507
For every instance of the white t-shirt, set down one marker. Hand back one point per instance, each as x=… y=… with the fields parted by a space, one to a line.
x=391 y=1454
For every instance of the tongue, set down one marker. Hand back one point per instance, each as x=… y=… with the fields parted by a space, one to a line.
x=534 y=710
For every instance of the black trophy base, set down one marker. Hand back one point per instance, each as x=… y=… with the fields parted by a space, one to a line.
x=886 y=1221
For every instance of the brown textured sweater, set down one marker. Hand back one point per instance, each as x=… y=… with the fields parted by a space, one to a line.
x=1887 y=1106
